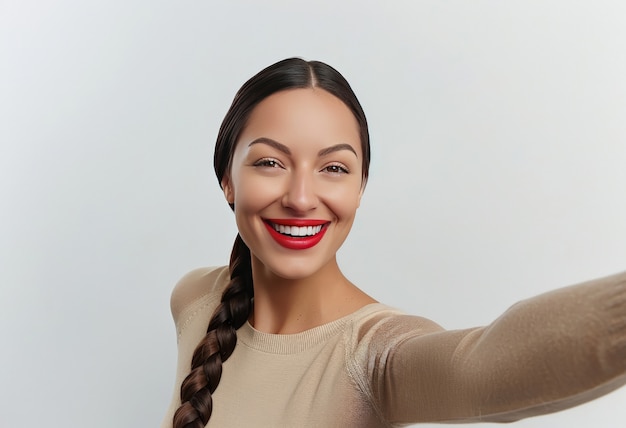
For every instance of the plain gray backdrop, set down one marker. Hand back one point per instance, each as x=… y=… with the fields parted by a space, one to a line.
x=498 y=172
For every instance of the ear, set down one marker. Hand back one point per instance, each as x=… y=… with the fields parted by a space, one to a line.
x=227 y=188
x=358 y=203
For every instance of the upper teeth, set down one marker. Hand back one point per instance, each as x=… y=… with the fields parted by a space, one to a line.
x=297 y=230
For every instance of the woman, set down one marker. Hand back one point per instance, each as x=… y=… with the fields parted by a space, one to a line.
x=292 y=342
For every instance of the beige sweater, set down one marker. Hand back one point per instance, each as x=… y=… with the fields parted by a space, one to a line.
x=380 y=368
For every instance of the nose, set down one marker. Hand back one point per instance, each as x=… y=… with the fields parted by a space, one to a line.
x=300 y=194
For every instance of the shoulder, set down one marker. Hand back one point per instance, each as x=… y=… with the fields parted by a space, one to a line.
x=378 y=326
x=373 y=339
x=377 y=315
x=198 y=285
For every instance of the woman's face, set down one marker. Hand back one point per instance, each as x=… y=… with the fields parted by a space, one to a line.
x=295 y=180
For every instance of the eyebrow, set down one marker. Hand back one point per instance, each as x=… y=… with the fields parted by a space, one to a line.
x=278 y=146
x=281 y=147
x=336 y=148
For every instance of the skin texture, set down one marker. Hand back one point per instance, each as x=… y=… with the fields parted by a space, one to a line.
x=299 y=157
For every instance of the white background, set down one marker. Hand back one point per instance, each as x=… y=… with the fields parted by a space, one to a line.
x=499 y=171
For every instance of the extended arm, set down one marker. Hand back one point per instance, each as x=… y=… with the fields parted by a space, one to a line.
x=544 y=354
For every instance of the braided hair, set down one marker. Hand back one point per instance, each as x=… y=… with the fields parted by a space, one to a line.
x=237 y=299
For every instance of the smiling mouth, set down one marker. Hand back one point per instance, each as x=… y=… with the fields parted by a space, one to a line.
x=296 y=231
x=297 y=234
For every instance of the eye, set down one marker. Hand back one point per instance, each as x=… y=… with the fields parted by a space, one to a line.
x=268 y=163
x=336 y=169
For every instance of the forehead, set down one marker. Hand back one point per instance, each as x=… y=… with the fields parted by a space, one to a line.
x=303 y=117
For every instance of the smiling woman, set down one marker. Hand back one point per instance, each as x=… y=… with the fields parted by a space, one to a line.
x=296 y=164
x=292 y=342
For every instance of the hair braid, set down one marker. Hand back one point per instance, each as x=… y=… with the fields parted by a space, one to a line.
x=218 y=343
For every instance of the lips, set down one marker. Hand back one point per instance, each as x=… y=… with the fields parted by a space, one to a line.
x=296 y=234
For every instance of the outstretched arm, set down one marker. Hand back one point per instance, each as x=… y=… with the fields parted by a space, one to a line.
x=544 y=354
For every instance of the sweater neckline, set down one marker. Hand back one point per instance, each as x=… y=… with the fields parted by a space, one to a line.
x=300 y=342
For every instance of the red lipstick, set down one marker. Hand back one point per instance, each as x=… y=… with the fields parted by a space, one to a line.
x=296 y=242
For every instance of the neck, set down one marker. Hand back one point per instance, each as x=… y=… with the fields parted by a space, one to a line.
x=285 y=306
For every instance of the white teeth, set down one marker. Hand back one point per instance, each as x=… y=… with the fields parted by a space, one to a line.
x=297 y=231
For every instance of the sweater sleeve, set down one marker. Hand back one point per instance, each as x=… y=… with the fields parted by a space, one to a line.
x=544 y=354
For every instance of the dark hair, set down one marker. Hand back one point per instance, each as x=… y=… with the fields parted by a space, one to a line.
x=236 y=303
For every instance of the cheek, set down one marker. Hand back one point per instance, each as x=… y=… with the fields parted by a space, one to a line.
x=253 y=193
x=343 y=200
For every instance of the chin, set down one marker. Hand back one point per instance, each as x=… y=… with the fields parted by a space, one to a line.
x=294 y=272
x=293 y=269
